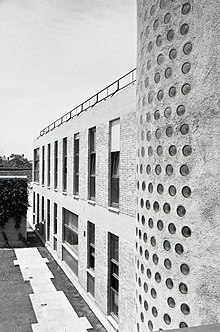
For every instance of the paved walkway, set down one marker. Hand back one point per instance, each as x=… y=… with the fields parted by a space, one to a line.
x=53 y=311
x=36 y=294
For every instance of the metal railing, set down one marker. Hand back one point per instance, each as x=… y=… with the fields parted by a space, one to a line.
x=105 y=93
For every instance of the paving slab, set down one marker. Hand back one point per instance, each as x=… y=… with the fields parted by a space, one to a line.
x=52 y=308
x=61 y=282
x=80 y=324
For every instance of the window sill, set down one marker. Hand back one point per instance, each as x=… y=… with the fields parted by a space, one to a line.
x=91 y=202
x=55 y=189
x=64 y=192
x=37 y=183
x=76 y=197
x=91 y=272
x=113 y=322
x=48 y=187
x=112 y=209
x=71 y=252
x=55 y=235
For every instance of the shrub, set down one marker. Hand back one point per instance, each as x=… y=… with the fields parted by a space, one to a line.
x=13 y=200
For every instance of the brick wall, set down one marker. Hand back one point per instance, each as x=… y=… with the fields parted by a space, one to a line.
x=82 y=252
x=101 y=268
x=83 y=165
x=126 y=286
x=102 y=164
x=128 y=164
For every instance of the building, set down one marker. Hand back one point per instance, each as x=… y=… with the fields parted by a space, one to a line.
x=16 y=165
x=87 y=214
x=84 y=197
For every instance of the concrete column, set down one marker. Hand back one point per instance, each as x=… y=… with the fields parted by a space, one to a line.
x=178 y=169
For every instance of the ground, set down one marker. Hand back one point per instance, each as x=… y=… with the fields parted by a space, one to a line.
x=16 y=310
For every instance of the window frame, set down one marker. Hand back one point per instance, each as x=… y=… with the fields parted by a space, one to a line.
x=48 y=220
x=43 y=166
x=73 y=231
x=65 y=166
x=36 y=164
x=113 y=266
x=55 y=210
x=91 y=246
x=114 y=177
x=48 y=163
x=76 y=165
x=92 y=164
x=56 y=161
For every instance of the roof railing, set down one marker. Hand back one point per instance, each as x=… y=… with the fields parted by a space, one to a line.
x=107 y=92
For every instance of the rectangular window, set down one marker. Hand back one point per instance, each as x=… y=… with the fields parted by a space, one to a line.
x=91 y=259
x=34 y=207
x=113 y=274
x=48 y=220
x=76 y=165
x=92 y=162
x=55 y=219
x=91 y=246
x=43 y=164
x=42 y=208
x=55 y=164
x=36 y=164
x=38 y=210
x=115 y=162
x=42 y=223
x=70 y=224
x=48 y=165
x=65 y=164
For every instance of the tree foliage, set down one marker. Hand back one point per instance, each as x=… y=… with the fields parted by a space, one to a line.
x=13 y=200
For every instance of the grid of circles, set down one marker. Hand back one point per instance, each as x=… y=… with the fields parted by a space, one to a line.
x=146 y=188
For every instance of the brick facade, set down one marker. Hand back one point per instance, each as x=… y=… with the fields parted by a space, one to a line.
x=120 y=221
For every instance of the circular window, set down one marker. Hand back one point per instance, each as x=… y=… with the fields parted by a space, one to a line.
x=172 y=190
x=160 y=225
x=169 y=283
x=166 y=245
x=184 y=268
x=172 y=228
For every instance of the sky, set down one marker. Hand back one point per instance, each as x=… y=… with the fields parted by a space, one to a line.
x=54 y=54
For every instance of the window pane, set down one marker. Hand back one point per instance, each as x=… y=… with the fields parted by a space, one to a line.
x=76 y=165
x=92 y=164
x=71 y=238
x=115 y=191
x=115 y=158
x=92 y=139
x=115 y=164
x=92 y=187
x=90 y=284
x=55 y=218
x=70 y=261
x=114 y=303
x=64 y=164
x=55 y=164
x=70 y=221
